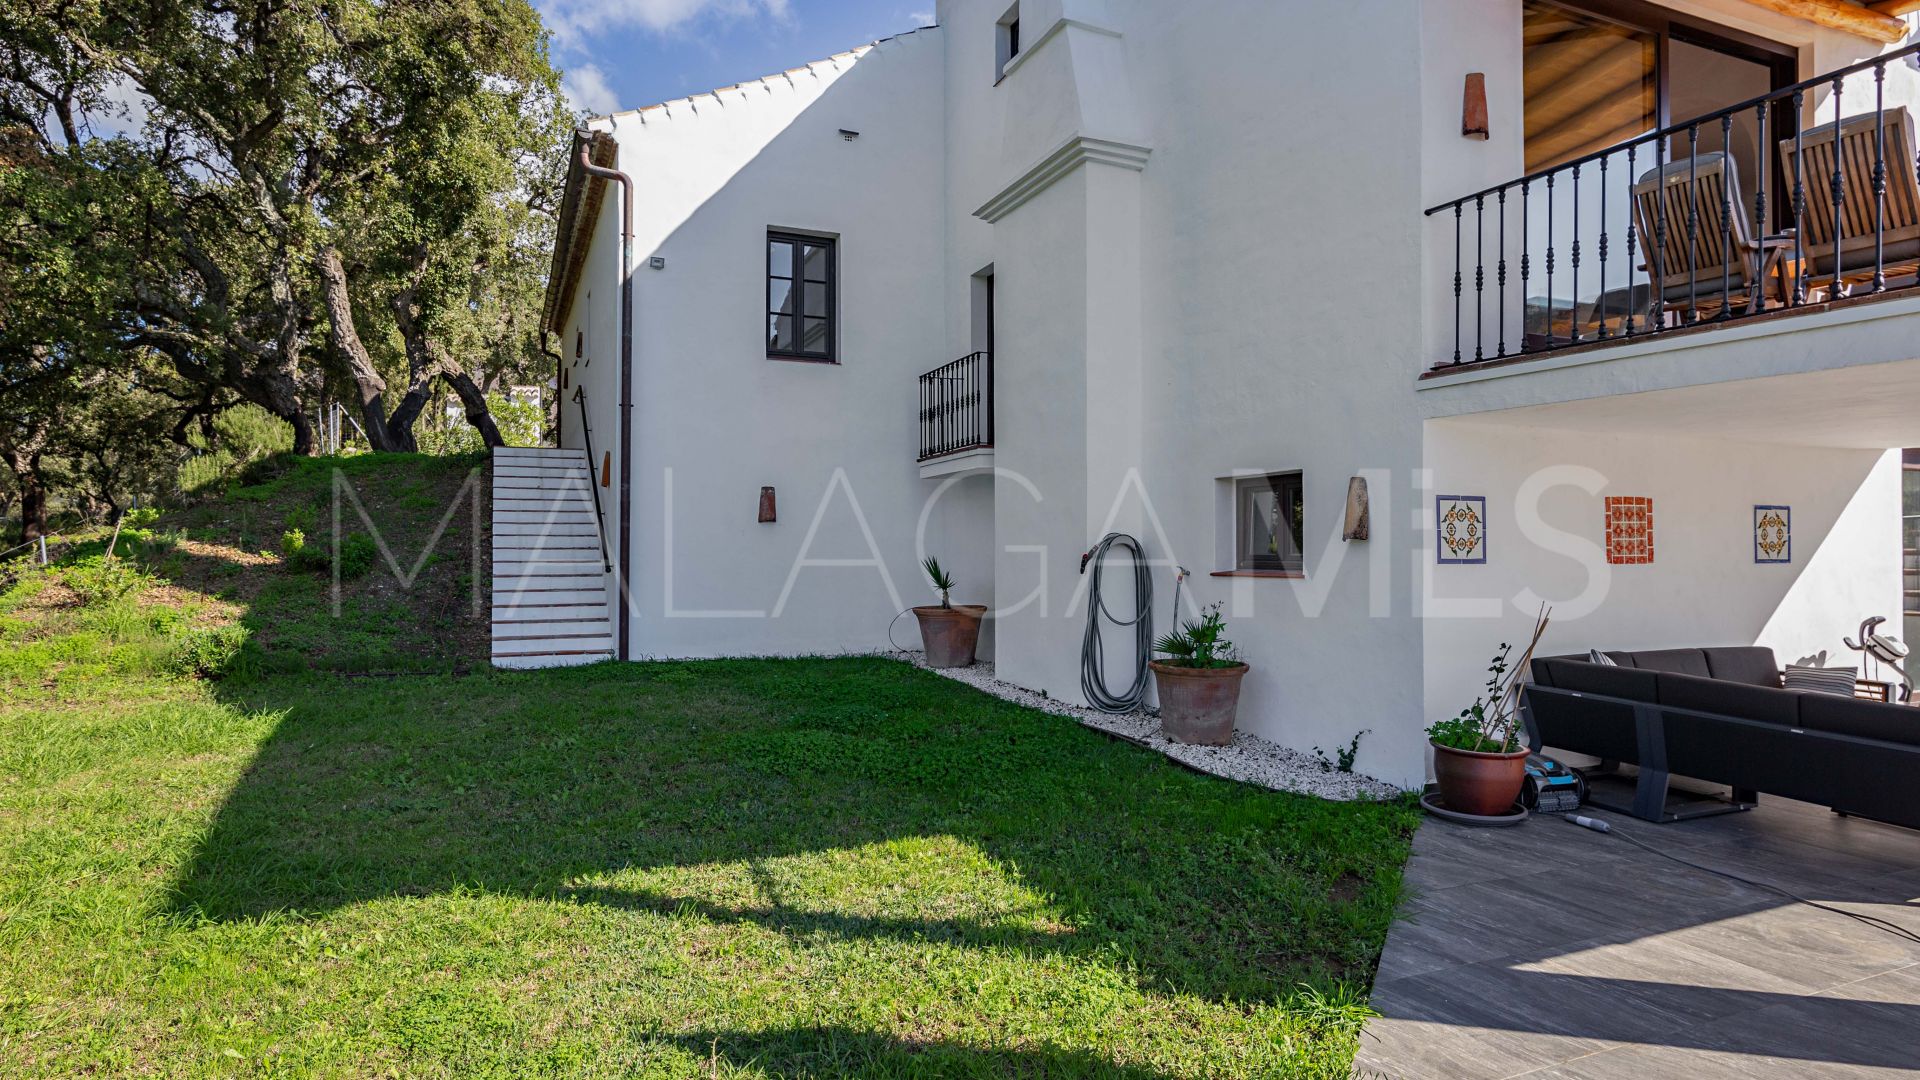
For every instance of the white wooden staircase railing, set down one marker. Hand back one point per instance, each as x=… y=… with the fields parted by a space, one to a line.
x=551 y=602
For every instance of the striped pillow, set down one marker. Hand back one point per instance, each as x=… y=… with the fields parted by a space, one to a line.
x=1821 y=680
x=1595 y=656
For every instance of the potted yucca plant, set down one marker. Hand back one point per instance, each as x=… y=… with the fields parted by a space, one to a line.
x=948 y=631
x=1199 y=681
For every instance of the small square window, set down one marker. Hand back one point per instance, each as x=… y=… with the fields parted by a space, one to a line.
x=1268 y=522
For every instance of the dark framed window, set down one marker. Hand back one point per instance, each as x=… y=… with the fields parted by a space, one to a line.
x=1268 y=520
x=802 y=280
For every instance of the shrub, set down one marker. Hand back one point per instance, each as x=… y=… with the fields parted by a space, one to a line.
x=209 y=653
x=357 y=553
x=96 y=580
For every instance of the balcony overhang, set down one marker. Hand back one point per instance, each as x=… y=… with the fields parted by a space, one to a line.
x=977 y=461
x=1864 y=407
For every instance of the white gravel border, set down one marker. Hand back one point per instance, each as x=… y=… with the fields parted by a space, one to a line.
x=1248 y=758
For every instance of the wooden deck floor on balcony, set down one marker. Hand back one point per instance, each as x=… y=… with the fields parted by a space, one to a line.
x=1549 y=951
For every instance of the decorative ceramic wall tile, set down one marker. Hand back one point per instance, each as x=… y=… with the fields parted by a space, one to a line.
x=1460 y=528
x=1772 y=534
x=1629 y=530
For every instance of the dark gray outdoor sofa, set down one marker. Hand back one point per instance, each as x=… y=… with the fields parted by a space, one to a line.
x=1721 y=715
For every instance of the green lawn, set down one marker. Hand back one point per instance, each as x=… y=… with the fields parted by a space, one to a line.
x=753 y=868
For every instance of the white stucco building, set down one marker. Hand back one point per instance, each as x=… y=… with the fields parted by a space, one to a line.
x=1188 y=243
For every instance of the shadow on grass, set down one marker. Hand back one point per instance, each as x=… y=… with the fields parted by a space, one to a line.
x=676 y=787
x=842 y=1052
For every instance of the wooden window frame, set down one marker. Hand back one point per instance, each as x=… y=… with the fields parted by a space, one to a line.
x=796 y=276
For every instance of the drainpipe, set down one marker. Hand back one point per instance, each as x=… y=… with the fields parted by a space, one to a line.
x=584 y=138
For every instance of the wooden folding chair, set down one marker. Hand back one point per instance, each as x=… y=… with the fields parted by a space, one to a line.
x=1704 y=264
x=1852 y=249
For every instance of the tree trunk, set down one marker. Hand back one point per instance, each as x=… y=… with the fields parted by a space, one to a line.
x=478 y=414
x=366 y=379
x=25 y=467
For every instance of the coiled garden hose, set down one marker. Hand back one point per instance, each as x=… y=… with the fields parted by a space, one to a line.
x=1093 y=661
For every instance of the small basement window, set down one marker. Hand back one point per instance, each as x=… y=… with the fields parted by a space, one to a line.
x=1268 y=516
x=801 y=281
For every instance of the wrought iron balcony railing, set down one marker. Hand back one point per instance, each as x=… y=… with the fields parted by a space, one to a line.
x=956 y=406
x=1781 y=202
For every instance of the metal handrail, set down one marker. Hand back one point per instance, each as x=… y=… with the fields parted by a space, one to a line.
x=1684 y=126
x=956 y=406
x=1705 y=220
x=586 y=436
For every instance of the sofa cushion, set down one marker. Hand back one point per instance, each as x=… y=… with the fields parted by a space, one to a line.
x=1837 y=681
x=1751 y=664
x=1681 y=661
x=1620 y=682
x=1858 y=716
x=1729 y=698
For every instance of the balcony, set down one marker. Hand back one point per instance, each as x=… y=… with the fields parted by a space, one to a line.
x=1795 y=202
x=956 y=416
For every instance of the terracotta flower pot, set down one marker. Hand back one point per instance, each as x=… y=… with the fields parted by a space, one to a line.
x=1481 y=784
x=1197 y=704
x=950 y=633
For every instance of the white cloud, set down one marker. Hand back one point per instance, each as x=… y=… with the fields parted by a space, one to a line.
x=586 y=89
x=921 y=18
x=575 y=21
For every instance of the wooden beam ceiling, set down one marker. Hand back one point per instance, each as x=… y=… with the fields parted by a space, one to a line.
x=1867 y=22
x=1895 y=8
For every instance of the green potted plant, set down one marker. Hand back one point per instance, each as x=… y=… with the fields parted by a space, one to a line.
x=949 y=632
x=1199 y=681
x=1479 y=756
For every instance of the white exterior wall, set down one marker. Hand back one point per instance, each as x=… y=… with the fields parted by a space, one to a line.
x=1246 y=285
x=715 y=420
x=1545 y=492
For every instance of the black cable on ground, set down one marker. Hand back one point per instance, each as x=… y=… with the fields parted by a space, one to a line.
x=1093 y=660
x=1876 y=922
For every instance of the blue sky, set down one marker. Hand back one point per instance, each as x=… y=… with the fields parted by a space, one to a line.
x=622 y=54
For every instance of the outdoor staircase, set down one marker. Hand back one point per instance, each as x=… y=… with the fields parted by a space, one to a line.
x=551 y=605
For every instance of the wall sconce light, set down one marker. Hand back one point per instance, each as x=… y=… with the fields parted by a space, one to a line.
x=767 y=515
x=1359 y=518
x=656 y=262
x=849 y=135
x=1473 y=107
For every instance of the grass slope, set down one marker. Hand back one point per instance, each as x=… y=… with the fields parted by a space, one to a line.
x=806 y=868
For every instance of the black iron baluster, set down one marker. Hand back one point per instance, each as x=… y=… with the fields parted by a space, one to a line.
x=1799 y=199
x=989 y=363
x=1726 y=216
x=1657 y=261
x=1458 y=209
x=1526 y=259
x=1600 y=302
x=1879 y=177
x=1633 y=213
x=1573 y=307
x=1760 y=231
x=1479 y=274
x=1693 y=223
x=1839 y=191
x=1500 y=277
x=1550 y=260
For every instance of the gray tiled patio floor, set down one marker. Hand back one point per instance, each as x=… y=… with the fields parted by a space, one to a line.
x=1548 y=951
